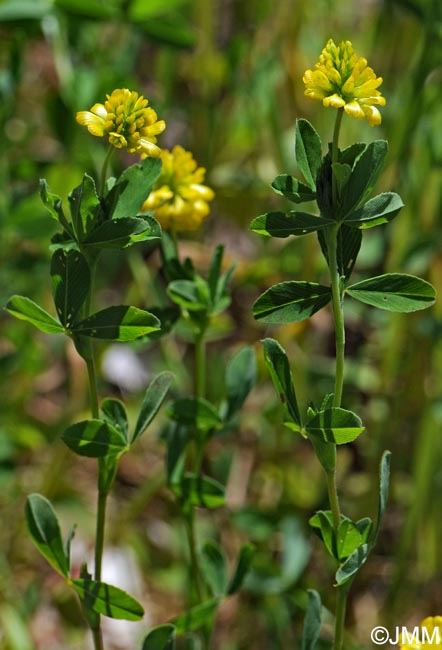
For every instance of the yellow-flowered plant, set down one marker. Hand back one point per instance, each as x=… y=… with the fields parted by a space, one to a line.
x=341 y=79
x=430 y=635
x=179 y=200
x=127 y=120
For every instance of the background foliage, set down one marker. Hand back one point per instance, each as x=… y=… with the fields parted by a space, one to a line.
x=226 y=77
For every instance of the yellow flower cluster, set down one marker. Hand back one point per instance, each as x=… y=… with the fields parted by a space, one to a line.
x=431 y=635
x=341 y=79
x=127 y=120
x=178 y=200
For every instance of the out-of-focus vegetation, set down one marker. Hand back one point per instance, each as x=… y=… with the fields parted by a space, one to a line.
x=226 y=77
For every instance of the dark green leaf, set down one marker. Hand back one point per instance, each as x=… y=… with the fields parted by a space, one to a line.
x=197 y=617
x=279 y=368
x=132 y=188
x=341 y=173
x=291 y=302
x=107 y=600
x=349 y=155
x=214 y=568
x=214 y=272
x=200 y=491
x=365 y=527
x=85 y=208
x=177 y=438
x=160 y=638
x=123 y=232
x=364 y=176
x=94 y=438
x=380 y=209
x=347 y=248
x=335 y=425
x=312 y=621
x=190 y=294
x=240 y=379
x=280 y=224
x=27 y=310
x=195 y=412
x=394 y=292
x=53 y=204
x=308 y=149
x=71 y=281
x=119 y=323
x=352 y=564
x=45 y=532
x=242 y=568
x=292 y=189
x=384 y=482
x=153 y=398
x=112 y=412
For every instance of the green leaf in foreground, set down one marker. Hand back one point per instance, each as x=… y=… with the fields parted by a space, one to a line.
x=153 y=398
x=94 y=439
x=113 y=412
x=291 y=302
x=384 y=483
x=120 y=233
x=44 y=529
x=352 y=564
x=379 y=210
x=292 y=189
x=279 y=368
x=312 y=621
x=71 y=281
x=196 y=617
x=107 y=600
x=281 y=224
x=27 y=310
x=160 y=638
x=395 y=292
x=335 y=425
x=308 y=150
x=118 y=323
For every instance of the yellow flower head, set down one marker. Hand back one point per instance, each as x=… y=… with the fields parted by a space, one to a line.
x=430 y=635
x=127 y=120
x=341 y=79
x=179 y=199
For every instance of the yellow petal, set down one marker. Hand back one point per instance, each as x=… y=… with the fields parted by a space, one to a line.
x=333 y=100
x=354 y=110
x=372 y=114
x=94 y=124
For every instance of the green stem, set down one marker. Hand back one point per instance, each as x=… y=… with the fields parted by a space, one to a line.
x=98 y=638
x=341 y=606
x=90 y=364
x=195 y=570
x=99 y=538
x=338 y=313
x=104 y=169
x=333 y=498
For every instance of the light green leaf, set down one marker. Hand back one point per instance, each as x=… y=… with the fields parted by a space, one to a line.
x=291 y=302
x=153 y=398
x=240 y=379
x=292 y=189
x=394 y=292
x=380 y=209
x=132 y=188
x=123 y=232
x=308 y=149
x=160 y=638
x=214 y=568
x=279 y=368
x=312 y=621
x=200 y=491
x=94 y=439
x=119 y=323
x=53 y=204
x=352 y=564
x=45 y=532
x=384 y=483
x=280 y=224
x=195 y=412
x=71 y=280
x=197 y=617
x=335 y=425
x=107 y=600
x=242 y=568
x=27 y=310
x=190 y=294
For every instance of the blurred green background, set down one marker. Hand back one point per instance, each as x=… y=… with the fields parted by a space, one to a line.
x=226 y=75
